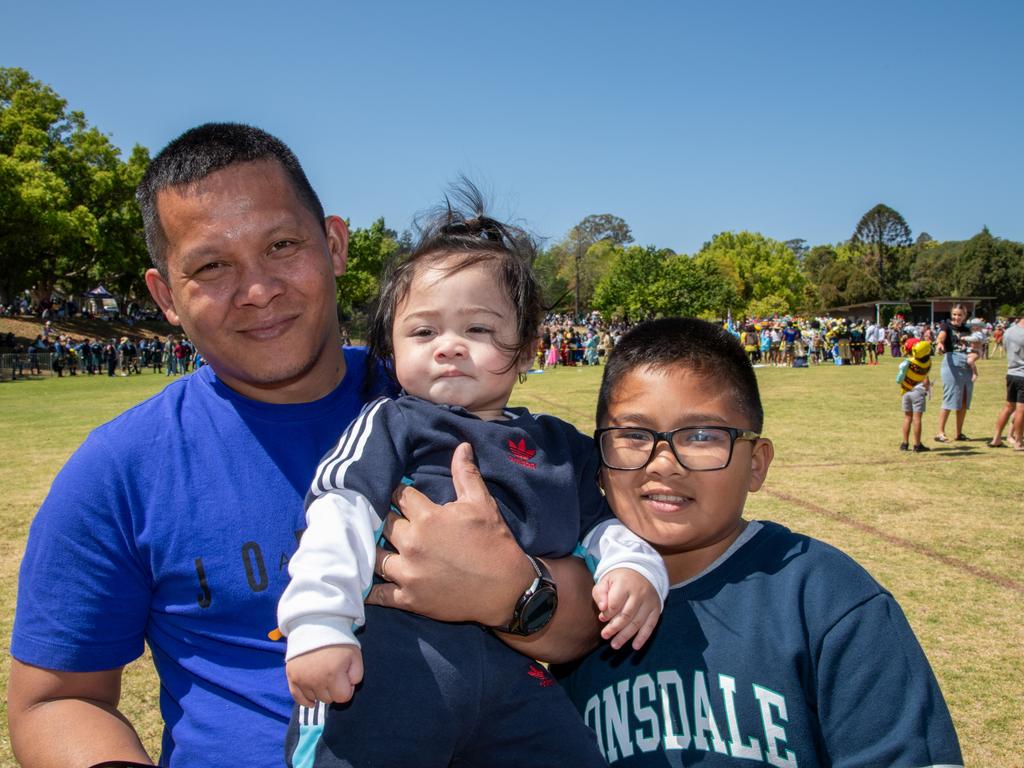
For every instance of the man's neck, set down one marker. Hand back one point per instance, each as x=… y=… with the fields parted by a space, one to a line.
x=306 y=387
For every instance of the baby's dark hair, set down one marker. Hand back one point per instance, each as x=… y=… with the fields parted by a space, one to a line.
x=704 y=348
x=460 y=235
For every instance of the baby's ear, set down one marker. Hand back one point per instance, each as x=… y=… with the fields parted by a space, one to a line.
x=526 y=359
x=760 y=459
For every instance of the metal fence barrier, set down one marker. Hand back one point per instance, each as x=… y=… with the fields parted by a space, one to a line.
x=23 y=364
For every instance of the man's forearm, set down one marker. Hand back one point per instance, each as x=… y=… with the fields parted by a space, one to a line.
x=55 y=726
x=574 y=630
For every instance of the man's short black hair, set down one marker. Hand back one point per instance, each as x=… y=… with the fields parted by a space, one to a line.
x=704 y=348
x=199 y=152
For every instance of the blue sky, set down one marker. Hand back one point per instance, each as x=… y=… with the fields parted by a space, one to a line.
x=684 y=118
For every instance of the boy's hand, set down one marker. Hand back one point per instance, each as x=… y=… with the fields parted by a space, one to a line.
x=326 y=674
x=631 y=606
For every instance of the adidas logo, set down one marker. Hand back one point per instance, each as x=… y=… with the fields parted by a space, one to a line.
x=540 y=675
x=518 y=453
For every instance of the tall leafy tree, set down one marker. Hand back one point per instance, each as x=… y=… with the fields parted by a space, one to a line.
x=651 y=282
x=991 y=266
x=68 y=215
x=556 y=287
x=369 y=251
x=799 y=248
x=601 y=226
x=882 y=232
x=583 y=262
x=626 y=290
x=757 y=266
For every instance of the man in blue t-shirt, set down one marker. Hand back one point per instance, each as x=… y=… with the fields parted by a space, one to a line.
x=194 y=497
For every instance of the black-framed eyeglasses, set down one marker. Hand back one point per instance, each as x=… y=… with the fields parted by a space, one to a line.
x=698 y=449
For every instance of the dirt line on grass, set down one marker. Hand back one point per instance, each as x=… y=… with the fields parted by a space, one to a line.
x=947 y=455
x=907 y=544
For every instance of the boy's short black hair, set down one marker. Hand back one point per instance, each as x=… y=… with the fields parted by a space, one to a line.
x=200 y=151
x=461 y=236
x=703 y=347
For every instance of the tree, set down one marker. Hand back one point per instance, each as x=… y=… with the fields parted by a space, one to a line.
x=931 y=268
x=68 y=214
x=369 y=251
x=883 y=232
x=592 y=230
x=555 y=287
x=817 y=260
x=626 y=290
x=652 y=282
x=692 y=287
x=757 y=267
x=799 y=248
x=768 y=306
x=991 y=266
x=602 y=226
x=846 y=282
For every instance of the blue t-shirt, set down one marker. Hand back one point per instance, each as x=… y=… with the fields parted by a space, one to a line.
x=787 y=653
x=173 y=524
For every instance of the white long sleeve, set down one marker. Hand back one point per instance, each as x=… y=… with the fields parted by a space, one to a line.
x=330 y=573
x=612 y=545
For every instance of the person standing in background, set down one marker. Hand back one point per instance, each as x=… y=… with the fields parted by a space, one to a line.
x=957 y=382
x=1013 y=343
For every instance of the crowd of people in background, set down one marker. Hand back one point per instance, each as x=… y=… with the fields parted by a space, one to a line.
x=68 y=309
x=583 y=341
x=63 y=355
x=798 y=342
x=564 y=341
x=776 y=341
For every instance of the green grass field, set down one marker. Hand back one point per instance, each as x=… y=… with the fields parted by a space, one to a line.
x=940 y=530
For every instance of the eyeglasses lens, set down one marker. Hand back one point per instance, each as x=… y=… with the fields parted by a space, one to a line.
x=698 y=449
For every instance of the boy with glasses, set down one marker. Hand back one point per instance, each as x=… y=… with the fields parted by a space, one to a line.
x=773 y=648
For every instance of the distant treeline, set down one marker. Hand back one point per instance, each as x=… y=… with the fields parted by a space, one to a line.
x=68 y=222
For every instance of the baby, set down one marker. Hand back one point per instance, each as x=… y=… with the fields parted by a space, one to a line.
x=973 y=341
x=456 y=325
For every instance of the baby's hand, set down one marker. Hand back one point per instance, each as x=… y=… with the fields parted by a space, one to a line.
x=326 y=674
x=631 y=606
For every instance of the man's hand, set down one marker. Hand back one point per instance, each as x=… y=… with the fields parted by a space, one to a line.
x=326 y=674
x=454 y=562
x=629 y=604
x=460 y=562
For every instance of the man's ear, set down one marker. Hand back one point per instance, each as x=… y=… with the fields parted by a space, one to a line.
x=337 y=243
x=760 y=459
x=161 y=293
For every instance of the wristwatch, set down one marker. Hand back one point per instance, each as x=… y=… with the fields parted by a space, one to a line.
x=536 y=606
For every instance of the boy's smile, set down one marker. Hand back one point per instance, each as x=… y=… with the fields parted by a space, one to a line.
x=689 y=517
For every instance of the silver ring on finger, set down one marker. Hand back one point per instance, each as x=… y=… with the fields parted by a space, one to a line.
x=384 y=566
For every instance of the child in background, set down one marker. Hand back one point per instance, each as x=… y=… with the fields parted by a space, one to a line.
x=457 y=323
x=916 y=386
x=974 y=341
x=774 y=648
x=750 y=343
x=766 y=345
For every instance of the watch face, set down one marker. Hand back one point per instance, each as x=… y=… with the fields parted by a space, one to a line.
x=539 y=609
